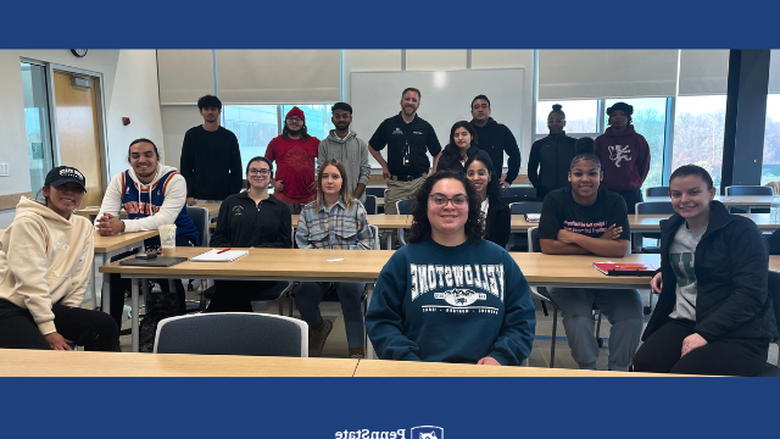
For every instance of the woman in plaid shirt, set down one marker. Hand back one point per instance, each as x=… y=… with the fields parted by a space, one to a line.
x=334 y=220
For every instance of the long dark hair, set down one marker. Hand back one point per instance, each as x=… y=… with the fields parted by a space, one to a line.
x=451 y=151
x=493 y=190
x=259 y=158
x=421 y=226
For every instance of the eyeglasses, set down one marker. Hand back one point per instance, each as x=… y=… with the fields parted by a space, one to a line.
x=294 y=119
x=342 y=116
x=441 y=201
x=259 y=171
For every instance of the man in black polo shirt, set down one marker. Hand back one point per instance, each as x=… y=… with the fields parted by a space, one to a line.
x=409 y=138
x=495 y=139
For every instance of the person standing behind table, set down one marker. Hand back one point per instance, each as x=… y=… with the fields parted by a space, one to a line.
x=496 y=139
x=498 y=216
x=624 y=154
x=407 y=137
x=548 y=163
x=462 y=146
x=253 y=218
x=152 y=195
x=714 y=314
x=210 y=157
x=294 y=152
x=343 y=144
x=586 y=219
x=449 y=295
x=334 y=221
x=45 y=266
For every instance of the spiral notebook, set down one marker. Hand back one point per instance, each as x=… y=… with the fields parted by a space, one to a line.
x=216 y=255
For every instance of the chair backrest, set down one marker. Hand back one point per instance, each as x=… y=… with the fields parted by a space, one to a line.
x=737 y=190
x=513 y=194
x=375 y=233
x=370 y=204
x=233 y=333
x=654 y=208
x=200 y=216
x=533 y=240
x=521 y=207
x=657 y=191
x=377 y=191
x=774 y=291
x=404 y=207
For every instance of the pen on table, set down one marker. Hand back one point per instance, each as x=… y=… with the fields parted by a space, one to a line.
x=336 y=260
x=223 y=251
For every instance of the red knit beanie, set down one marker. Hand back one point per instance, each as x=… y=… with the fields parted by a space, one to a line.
x=296 y=112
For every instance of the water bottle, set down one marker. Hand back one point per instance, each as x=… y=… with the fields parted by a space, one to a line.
x=774 y=210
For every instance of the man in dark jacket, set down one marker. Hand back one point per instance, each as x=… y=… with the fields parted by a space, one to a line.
x=495 y=139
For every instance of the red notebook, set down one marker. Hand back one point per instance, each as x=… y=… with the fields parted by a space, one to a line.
x=625 y=268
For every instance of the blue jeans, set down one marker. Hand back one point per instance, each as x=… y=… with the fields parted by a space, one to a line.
x=308 y=296
x=623 y=309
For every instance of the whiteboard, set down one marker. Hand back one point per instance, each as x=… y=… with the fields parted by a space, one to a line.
x=446 y=98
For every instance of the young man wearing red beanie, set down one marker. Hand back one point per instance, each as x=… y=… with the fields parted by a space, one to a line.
x=295 y=152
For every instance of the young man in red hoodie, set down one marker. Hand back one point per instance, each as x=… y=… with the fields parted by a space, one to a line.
x=624 y=155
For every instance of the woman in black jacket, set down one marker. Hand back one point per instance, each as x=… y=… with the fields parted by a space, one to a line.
x=550 y=157
x=714 y=314
x=498 y=218
x=253 y=218
x=462 y=146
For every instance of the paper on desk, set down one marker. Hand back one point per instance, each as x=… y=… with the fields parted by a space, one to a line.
x=214 y=255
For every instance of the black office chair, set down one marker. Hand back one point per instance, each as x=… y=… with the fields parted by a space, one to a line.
x=747 y=190
x=543 y=295
x=657 y=191
x=652 y=208
x=519 y=240
x=370 y=204
x=404 y=207
x=514 y=194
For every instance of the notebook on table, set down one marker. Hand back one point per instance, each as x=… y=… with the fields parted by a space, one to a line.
x=625 y=268
x=215 y=255
x=160 y=261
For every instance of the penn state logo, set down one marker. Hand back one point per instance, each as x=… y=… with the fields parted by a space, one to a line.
x=426 y=432
x=460 y=296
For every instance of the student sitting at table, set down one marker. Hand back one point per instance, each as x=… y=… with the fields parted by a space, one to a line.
x=498 y=218
x=253 y=218
x=152 y=195
x=45 y=265
x=449 y=295
x=586 y=219
x=334 y=220
x=714 y=314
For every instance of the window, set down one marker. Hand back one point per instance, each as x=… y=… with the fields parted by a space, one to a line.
x=36 y=120
x=699 y=125
x=770 y=170
x=581 y=117
x=256 y=125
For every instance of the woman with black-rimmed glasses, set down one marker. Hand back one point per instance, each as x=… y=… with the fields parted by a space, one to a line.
x=450 y=295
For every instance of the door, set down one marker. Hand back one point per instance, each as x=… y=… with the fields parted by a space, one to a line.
x=76 y=112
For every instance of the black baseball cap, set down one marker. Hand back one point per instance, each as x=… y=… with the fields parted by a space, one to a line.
x=65 y=174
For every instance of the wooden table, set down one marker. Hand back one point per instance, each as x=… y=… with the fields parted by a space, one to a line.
x=391 y=368
x=39 y=363
x=92 y=211
x=46 y=363
x=261 y=264
x=106 y=247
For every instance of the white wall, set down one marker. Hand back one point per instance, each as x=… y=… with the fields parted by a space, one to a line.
x=130 y=87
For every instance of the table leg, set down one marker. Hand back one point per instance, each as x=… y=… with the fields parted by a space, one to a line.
x=134 y=330
x=105 y=299
x=370 y=354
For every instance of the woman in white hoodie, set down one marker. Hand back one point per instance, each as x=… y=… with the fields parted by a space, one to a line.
x=45 y=260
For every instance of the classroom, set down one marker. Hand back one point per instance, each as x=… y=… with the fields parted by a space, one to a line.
x=684 y=102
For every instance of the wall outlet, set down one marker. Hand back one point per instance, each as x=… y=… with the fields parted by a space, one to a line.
x=4 y=170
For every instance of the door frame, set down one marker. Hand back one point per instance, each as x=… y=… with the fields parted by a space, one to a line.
x=98 y=83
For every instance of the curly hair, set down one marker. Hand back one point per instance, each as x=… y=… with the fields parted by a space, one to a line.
x=421 y=226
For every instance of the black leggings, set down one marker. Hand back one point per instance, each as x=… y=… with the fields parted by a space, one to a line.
x=661 y=353
x=94 y=330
